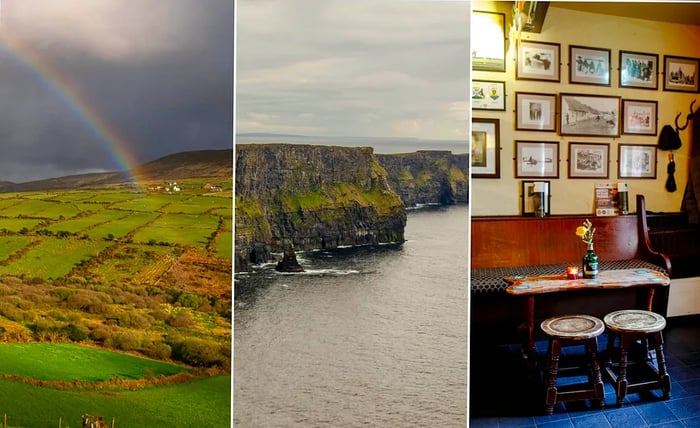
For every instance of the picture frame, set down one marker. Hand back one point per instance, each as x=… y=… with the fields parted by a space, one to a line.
x=639 y=117
x=589 y=160
x=639 y=70
x=535 y=111
x=488 y=41
x=589 y=66
x=538 y=61
x=680 y=73
x=527 y=197
x=485 y=148
x=488 y=95
x=636 y=161
x=535 y=159
x=589 y=115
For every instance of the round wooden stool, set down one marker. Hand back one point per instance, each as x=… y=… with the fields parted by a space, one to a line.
x=570 y=330
x=630 y=326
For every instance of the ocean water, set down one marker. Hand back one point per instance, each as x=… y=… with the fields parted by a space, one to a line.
x=370 y=336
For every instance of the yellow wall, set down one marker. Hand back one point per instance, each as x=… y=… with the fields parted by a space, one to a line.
x=575 y=196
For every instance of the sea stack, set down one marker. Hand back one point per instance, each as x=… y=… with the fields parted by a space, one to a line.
x=289 y=262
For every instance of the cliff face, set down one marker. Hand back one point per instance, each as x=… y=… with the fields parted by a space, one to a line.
x=311 y=197
x=428 y=177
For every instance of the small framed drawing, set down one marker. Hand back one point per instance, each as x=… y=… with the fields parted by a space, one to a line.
x=589 y=66
x=593 y=115
x=538 y=61
x=531 y=201
x=589 y=160
x=639 y=117
x=485 y=148
x=639 y=70
x=680 y=74
x=535 y=112
x=488 y=41
x=488 y=95
x=636 y=161
x=534 y=159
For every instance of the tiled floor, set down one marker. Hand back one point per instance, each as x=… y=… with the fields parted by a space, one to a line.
x=502 y=394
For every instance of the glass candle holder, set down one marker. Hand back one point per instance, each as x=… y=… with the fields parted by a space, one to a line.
x=572 y=272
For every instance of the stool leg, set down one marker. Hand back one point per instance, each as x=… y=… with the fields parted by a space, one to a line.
x=597 y=379
x=552 y=370
x=664 y=378
x=621 y=386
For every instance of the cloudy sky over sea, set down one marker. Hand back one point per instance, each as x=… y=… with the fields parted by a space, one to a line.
x=354 y=71
x=93 y=85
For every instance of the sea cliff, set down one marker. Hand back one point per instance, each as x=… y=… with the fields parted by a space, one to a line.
x=309 y=197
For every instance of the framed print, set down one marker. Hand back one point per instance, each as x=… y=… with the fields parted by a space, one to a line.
x=535 y=159
x=488 y=95
x=589 y=160
x=535 y=112
x=639 y=70
x=680 y=74
x=589 y=66
x=639 y=117
x=485 y=148
x=488 y=41
x=538 y=61
x=636 y=161
x=532 y=203
x=594 y=115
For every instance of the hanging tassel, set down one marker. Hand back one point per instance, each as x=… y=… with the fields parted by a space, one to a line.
x=671 y=168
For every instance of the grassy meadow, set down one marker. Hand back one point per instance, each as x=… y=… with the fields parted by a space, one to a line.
x=116 y=302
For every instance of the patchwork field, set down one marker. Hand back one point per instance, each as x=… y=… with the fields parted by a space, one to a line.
x=141 y=272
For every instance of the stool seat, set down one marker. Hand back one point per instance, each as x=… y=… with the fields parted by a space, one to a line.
x=573 y=330
x=577 y=327
x=634 y=321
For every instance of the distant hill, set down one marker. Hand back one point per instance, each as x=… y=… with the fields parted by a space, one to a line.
x=193 y=164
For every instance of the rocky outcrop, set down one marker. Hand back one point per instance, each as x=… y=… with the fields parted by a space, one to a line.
x=428 y=177
x=311 y=197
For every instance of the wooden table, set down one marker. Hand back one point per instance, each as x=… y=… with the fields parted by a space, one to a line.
x=531 y=286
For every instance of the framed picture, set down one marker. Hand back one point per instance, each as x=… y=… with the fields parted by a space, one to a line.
x=594 y=115
x=535 y=112
x=538 y=61
x=589 y=66
x=535 y=159
x=637 y=161
x=485 y=148
x=680 y=74
x=530 y=202
x=639 y=70
x=488 y=41
x=488 y=95
x=589 y=160
x=639 y=117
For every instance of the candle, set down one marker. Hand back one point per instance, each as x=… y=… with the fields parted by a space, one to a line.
x=572 y=272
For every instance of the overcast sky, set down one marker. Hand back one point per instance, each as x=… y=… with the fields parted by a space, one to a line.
x=159 y=72
x=392 y=68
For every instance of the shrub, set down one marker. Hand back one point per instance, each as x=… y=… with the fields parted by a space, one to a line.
x=198 y=352
x=189 y=300
x=157 y=350
x=125 y=340
x=102 y=333
x=181 y=319
x=76 y=333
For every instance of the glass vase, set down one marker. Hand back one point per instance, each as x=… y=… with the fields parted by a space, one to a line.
x=589 y=263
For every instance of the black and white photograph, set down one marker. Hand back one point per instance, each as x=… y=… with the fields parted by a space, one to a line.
x=589 y=160
x=589 y=66
x=639 y=70
x=536 y=159
x=538 y=61
x=485 y=148
x=594 y=115
x=637 y=161
x=639 y=117
x=680 y=74
x=535 y=111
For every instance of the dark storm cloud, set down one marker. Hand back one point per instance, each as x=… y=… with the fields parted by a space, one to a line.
x=364 y=68
x=160 y=72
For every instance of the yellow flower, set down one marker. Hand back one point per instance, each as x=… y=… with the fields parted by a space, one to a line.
x=586 y=232
x=580 y=231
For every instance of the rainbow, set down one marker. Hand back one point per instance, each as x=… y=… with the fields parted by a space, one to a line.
x=68 y=93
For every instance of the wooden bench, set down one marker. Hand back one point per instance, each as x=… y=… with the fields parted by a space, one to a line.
x=517 y=245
